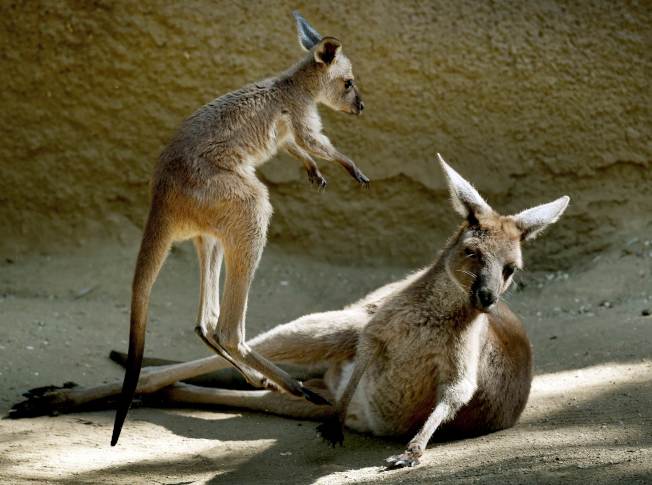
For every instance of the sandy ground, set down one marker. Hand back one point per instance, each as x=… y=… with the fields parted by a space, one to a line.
x=589 y=418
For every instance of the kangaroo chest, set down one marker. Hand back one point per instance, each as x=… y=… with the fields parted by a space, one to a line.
x=399 y=390
x=275 y=134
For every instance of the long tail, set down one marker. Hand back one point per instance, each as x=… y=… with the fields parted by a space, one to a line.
x=153 y=251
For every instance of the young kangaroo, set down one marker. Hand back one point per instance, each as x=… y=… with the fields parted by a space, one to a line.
x=436 y=350
x=205 y=189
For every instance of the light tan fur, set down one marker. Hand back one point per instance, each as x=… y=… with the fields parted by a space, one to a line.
x=444 y=351
x=424 y=354
x=205 y=188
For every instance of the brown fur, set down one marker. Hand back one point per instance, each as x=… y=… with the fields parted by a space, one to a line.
x=205 y=189
x=443 y=351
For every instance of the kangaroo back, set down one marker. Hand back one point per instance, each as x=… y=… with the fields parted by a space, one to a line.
x=504 y=378
x=507 y=337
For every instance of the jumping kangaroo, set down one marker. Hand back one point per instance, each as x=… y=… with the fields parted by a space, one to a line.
x=434 y=351
x=205 y=189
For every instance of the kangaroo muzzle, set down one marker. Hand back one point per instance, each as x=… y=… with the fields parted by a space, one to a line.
x=359 y=105
x=483 y=297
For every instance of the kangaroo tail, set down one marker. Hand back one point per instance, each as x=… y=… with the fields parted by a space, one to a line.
x=153 y=251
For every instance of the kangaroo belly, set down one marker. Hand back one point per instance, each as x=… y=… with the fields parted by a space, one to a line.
x=402 y=396
x=359 y=416
x=398 y=391
x=387 y=402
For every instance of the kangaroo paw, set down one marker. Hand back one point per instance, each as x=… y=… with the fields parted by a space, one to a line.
x=317 y=179
x=331 y=431
x=42 y=401
x=407 y=459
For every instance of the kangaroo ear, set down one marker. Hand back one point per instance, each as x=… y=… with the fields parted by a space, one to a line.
x=532 y=221
x=327 y=50
x=466 y=200
x=308 y=36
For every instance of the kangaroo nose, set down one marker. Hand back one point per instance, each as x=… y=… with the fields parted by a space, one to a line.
x=486 y=297
x=361 y=106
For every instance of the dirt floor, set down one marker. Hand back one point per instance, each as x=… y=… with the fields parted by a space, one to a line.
x=589 y=418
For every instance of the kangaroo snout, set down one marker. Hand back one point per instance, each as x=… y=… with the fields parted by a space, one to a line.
x=485 y=298
x=359 y=105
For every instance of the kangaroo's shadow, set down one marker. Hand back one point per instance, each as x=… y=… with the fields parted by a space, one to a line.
x=297 y=454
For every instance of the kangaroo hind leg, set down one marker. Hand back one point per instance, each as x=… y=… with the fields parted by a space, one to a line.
x=244 y=231
x=259 y=400
x=210 y=255
x=316 y=339
x=311 y=340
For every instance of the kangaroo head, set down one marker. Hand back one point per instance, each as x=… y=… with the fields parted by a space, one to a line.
x=336 y=84
x=483 y=257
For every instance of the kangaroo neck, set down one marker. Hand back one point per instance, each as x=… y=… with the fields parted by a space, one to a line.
x=448 y=302
x=302 y=80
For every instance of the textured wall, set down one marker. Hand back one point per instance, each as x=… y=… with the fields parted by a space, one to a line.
x=529 y=101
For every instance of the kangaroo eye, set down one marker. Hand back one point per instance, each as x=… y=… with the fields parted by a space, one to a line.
x=508 y=271
x=470 y=253
x=348 y=84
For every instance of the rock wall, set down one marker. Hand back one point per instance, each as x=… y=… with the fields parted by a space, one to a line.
x=529 y=100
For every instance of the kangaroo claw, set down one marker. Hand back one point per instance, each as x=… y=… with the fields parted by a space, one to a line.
x=331 y=431
x=403 y=460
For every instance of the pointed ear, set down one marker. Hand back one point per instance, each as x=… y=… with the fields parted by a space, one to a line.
x=532 y=221
x=466 y=200
x=327 y=50
x=308 y=36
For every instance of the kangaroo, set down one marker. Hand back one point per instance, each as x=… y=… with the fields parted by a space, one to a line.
x=444 y=352
x=436 y=351
x=205 y=189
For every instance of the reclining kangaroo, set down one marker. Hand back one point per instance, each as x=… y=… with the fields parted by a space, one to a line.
x=205 y=189
x=437 y=350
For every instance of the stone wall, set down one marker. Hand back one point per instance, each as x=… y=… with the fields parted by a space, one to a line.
x=529 y=100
